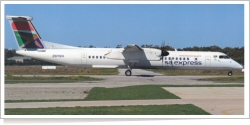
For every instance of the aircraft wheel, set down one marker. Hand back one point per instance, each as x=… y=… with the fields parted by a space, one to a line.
x=128 y=73
x=230 y=73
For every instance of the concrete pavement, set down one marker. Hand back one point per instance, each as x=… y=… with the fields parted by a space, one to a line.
x=95 y=103
x=222 y=101
x=215 y=100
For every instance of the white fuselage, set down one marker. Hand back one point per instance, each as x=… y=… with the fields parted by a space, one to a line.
x=132 y=56
x=148 y=58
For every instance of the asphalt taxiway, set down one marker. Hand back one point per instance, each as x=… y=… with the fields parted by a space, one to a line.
x=217 y=101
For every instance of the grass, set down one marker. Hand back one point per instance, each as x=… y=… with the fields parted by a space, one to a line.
x=130 y=93
x=19 y=79
x=141 y=92
x=187 y=109
x=171 y=72
x=237 y=79
x=60 y=70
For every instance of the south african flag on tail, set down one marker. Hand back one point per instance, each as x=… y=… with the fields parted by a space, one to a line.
x=25 y=33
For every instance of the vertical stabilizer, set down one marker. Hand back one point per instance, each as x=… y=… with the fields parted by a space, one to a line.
x=25 y=33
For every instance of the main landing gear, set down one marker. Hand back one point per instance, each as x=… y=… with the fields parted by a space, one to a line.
x=230 y=73
x=128 y=72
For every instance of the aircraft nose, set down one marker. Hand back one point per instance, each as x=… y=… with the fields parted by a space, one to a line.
x=238 y=66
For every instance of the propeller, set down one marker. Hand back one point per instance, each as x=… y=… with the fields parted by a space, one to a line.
x=164 y=52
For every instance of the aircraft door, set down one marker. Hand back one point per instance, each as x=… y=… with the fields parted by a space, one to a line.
x=84 y=58
x=208 y=61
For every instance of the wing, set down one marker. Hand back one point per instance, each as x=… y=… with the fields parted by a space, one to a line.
x=132 y=47
x=132 y=51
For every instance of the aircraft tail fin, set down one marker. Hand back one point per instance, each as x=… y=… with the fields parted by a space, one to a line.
x=25 y=33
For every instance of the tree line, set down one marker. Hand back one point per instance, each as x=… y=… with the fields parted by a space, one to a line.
x=235 y=53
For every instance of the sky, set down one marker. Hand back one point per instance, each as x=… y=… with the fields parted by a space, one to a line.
x=107 y=25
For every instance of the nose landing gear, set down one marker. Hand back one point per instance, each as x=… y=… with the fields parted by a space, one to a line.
x=230 y=73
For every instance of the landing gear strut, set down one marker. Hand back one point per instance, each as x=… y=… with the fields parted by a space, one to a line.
x=230 y=73
x=128 y=72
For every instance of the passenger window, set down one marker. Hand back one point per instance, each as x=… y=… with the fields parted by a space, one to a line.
x=97 y=57
x=184 y=58
x=103 y=57
x=180 y=58
x=165 y=58
x=187 y=58
x=100 y=57
x=172 y=58
x=195 y=59
x=169 y=58
x=176 y=58
x=89 y=57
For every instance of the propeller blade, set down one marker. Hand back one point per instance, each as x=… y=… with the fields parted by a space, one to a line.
x=163 y=51
x=162 y=62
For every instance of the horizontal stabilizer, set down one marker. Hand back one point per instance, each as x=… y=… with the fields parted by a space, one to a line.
x=27 y=18
x=50 y=45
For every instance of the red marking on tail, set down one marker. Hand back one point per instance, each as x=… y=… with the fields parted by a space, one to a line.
x=20 y=25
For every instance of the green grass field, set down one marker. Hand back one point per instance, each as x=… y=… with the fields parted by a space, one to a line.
x=123 y=93
x=19 y=79
x=142 y=92
x=187 y=109
x=130 y=93
x=60 y=70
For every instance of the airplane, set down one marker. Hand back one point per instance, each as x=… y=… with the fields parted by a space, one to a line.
x=131 y=57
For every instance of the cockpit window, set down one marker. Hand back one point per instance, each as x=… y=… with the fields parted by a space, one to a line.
x=224 y=57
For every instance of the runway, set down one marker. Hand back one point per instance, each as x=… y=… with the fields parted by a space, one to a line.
x=215 y=100
x=96 y=103
x=213 y=105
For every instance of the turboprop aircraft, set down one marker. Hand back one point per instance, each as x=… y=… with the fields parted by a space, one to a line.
x=132 y=56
